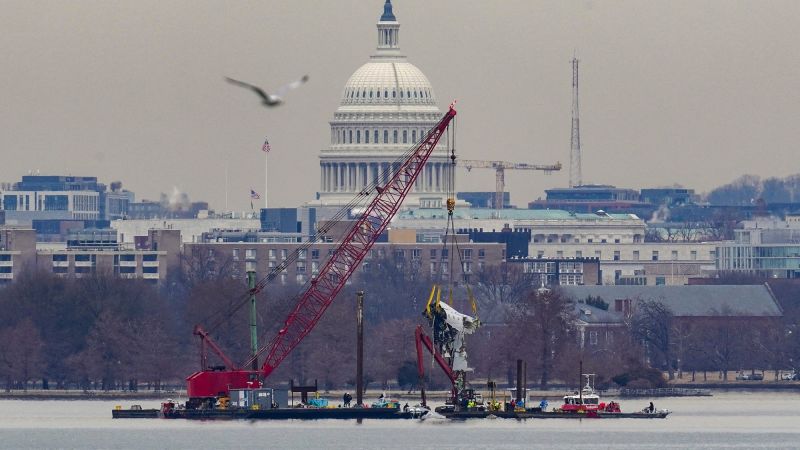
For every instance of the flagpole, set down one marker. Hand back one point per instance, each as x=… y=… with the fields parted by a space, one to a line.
x=266 y=184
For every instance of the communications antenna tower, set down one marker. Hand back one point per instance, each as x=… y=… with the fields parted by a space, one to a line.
x=575 y=177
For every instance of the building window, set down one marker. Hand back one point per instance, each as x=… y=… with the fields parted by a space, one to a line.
x=250 y=253
x=578 y=254
x=467 y=267
x=150 y=257
x=674 y=255
x=250 y=266
x=273 y=253
x=655 y=255
x=366 y=136
x=376 y=137
x=694 y=255
x=385 y=136
x=284 y=253
x=301 y=267
x=405 y=136
x=466 y=253
x=416 y=253
x=445 y=254
x=661 y=281
x=413 y=135
x=636 y=255
x=149 y=269
x=433 y=253
x=302 y=254
x=481 y=253
x=358 y=136
x=559 y=254
x=351 y=136
x=399 y=254
x=394 y=141
x=593 y=338
x=235 y=254
x=616 y=255
x=598 y=254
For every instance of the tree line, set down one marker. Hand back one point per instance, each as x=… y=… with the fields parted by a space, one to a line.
x=104 y=332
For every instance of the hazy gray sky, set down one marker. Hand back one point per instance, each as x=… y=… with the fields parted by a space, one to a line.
x=689 y=92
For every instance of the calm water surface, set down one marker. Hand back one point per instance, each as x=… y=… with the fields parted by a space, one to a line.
x=727 y=420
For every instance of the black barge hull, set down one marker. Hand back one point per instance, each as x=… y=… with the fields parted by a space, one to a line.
x=268 y=414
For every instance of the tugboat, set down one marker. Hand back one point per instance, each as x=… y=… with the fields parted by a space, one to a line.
x=585 y=400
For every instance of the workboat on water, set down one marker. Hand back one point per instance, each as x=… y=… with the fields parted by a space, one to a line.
x=584 y=403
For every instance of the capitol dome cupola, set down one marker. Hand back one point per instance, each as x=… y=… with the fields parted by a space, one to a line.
x=388 y=29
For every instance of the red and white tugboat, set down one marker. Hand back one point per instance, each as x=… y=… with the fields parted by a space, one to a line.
x=583 y=401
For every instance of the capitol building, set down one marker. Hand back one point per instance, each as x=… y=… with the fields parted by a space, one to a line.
x=387 y=106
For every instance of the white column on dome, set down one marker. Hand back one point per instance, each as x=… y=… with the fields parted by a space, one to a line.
x=335 y=178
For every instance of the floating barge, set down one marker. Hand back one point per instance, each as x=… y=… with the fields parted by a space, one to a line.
x=267 y=414
x=551 y=415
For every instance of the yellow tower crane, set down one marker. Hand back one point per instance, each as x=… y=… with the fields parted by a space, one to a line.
x=500 y=173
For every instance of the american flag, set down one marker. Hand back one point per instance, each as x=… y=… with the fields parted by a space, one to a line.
x=254 y=195
x=265 y=148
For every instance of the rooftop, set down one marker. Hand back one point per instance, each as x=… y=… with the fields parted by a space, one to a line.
x=692 y=300
x=512 y=214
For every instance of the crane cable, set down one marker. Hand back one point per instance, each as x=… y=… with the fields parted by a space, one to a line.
x=450 y=236
x=225 y=313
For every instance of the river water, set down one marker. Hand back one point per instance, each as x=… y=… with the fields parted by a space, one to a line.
x=726 y=420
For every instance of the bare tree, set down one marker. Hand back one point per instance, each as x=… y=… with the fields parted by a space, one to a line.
x=544 y=319
x=652 y=324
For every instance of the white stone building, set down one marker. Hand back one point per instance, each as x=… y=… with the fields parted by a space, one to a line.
x=641 y=263
x=766 y=247
x=387 y=106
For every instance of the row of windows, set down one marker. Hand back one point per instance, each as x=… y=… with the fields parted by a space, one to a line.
x=636 y=256
x=376 y=93
x=415 y=253
x=354 y=136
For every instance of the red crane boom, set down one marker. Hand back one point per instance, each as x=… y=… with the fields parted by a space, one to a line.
x=422 y=339
x=332 y=276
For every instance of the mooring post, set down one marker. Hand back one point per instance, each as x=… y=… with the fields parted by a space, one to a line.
x=525 y=383
x=360 y=348
x=519 y=381
x=251 y=285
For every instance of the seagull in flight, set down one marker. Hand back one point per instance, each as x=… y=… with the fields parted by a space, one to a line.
x=270 y=99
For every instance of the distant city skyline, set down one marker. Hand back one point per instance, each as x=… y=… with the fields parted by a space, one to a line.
x=694 y=93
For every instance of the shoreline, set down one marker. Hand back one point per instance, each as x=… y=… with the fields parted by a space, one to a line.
x=39 y=394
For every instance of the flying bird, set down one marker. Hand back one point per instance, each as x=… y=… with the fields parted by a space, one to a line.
x=270 y=99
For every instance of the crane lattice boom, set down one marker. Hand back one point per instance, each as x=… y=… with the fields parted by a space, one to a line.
x=332 y=277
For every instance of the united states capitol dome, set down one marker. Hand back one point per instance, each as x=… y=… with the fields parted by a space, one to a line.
x=387 y=106
x=388 y=81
